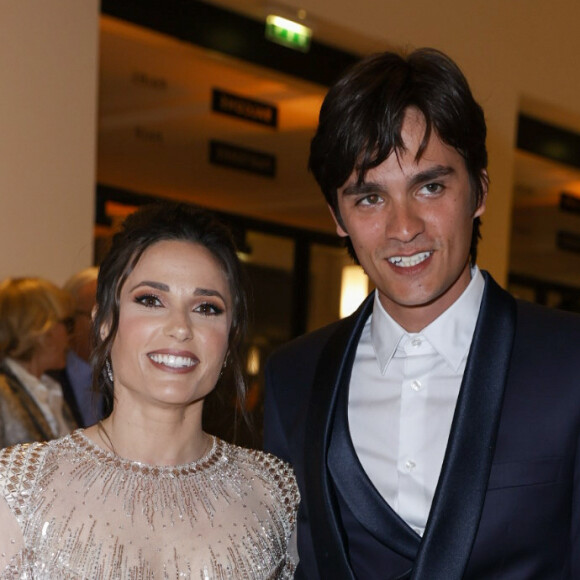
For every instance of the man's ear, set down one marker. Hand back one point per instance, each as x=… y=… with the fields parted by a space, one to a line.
x=340 y=229
x=480 y=209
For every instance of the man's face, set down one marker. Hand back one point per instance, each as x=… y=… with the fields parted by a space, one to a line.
x=411 y=224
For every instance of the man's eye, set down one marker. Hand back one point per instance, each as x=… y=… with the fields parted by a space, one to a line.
x=371 y=199
x=433 y=188
x=149 y=300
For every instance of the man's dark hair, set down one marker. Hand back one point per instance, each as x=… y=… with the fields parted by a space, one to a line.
x=362 y=115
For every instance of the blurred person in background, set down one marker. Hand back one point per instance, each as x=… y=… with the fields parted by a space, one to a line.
x=35 y=321
x=76 y=377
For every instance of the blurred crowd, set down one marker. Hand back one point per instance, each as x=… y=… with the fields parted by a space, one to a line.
x=45 y=345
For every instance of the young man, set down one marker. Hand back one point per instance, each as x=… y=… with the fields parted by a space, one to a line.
x=435 y=432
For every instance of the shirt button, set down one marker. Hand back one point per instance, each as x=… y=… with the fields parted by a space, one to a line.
x=416 y=341
x=416 y=385
x=409 y=465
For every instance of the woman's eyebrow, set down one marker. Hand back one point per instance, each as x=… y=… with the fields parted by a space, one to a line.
x=151 y=284
x=208 y=292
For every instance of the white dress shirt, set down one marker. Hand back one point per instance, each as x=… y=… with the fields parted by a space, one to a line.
x=48 y=396
x=403 y=391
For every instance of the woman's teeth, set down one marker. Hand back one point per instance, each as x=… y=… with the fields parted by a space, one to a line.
x=171 y=360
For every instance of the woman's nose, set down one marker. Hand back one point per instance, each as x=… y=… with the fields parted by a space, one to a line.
x=180 y=326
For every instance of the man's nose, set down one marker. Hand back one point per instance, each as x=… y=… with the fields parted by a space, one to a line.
x=405 y=221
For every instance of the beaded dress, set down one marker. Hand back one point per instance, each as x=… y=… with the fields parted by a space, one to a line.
x=71 y=510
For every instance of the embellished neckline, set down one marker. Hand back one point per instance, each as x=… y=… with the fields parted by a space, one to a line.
x=107 y=458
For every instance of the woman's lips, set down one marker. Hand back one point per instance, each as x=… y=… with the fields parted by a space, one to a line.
x=174 y=361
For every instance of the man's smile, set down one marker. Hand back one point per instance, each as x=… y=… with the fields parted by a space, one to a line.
x=409 y=261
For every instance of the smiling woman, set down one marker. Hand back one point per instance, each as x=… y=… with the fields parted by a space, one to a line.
x=164 y=498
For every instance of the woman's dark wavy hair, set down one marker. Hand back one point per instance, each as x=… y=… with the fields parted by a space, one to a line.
x=362 y=115
x=141 y=230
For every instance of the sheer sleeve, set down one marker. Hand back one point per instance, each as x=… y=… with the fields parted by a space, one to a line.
x=11 y=542
x=291 y=556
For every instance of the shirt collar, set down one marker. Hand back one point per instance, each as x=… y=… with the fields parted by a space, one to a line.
x=450 y=334
x=30 y=382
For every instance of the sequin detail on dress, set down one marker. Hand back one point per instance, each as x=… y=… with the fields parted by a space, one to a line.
x=73 y=510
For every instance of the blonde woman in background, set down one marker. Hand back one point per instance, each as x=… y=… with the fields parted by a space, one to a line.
x=35 y=320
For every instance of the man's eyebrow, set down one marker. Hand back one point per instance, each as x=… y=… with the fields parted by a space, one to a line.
x=431 y=174
x=362 y=188
x=151 y=284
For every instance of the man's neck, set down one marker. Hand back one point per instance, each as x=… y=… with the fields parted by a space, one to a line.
x=414 y=318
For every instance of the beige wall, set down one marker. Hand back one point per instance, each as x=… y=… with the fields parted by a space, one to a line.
x=48 y=96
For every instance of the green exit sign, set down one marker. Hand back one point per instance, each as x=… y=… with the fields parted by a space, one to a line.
x=288 y=33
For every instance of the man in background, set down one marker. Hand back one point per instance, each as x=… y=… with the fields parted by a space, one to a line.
x=76 y=378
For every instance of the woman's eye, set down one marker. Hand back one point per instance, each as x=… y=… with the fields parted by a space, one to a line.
x=149 y=300
x=208 y=309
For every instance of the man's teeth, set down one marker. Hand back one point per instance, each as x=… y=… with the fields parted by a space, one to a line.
x=171 y=360
x=408 y=261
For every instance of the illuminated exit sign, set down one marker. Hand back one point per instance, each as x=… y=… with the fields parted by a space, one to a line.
x=288 y=33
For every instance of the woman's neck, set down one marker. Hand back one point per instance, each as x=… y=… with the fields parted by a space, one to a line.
x=153 y=441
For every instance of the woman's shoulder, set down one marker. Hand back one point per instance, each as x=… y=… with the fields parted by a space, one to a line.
x=273 y=471
x=259 y=460
x=20 y=466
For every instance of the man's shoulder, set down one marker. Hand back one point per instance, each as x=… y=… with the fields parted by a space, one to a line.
x=306 y=349
x=295 y=361
x=310 y=344
x=530 y=316
x=535 y=319
x=311 y=339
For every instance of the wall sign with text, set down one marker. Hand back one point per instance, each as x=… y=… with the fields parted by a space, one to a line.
x=221 y=153
x=242 y=108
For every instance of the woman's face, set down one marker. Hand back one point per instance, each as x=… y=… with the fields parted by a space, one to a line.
x=174 y=320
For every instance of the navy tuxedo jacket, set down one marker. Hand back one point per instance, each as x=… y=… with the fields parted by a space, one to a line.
x=507 y=504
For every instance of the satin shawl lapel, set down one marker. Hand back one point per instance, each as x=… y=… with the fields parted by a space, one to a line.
x=332 y=373
x=460 y=493
x=361 y=496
